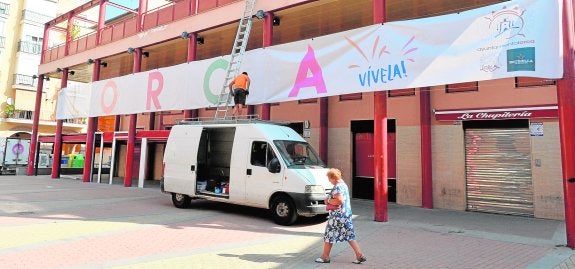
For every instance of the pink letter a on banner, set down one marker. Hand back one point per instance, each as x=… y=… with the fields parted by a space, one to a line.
x=310 y=63
x=153 y=94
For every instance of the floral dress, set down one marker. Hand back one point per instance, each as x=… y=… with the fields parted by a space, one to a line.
x=339 y=226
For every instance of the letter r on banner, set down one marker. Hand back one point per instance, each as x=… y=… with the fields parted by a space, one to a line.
x=154 y=93
x=310 y=63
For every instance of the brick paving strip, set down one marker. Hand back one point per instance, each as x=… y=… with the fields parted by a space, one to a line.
x=47 y=223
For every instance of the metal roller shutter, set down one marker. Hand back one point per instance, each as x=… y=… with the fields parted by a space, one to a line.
x=498 y=171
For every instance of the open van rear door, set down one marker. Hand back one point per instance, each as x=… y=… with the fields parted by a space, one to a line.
x=180 y=159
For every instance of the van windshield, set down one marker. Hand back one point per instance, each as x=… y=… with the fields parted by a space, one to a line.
x=296 y=153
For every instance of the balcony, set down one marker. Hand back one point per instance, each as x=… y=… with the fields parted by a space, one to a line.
x=24 y=80
x=128 y=25
x=4 y=9
x=29 y=47
x=45 y=115
x=32 y=16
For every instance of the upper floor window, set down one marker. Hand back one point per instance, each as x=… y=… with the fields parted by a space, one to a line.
x=462 y=87
x=307 y=101
x=351 y=96
x=402 y=92
x=4 y=8
x=522 y=82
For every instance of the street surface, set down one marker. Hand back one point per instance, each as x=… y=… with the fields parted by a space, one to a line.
x=65 y=223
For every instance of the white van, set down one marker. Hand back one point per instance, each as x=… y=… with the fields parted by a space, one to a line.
x=250 y=162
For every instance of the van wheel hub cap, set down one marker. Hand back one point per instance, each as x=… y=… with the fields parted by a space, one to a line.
x=282 y=209
x=179 y=197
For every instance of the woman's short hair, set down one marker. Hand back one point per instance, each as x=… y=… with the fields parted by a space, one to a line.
x=334 y=173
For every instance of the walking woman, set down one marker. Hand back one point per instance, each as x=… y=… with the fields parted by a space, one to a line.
x=339 y=224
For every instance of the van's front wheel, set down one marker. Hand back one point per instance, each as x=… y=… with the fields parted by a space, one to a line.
x=181 y=200
x=283 y=210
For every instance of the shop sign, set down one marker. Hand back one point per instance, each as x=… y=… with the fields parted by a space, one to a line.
x=498 y=114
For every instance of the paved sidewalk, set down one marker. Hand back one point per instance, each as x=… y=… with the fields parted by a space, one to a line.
x=64 y=223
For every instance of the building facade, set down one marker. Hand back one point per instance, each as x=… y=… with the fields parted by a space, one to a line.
x=21 y=37
x=489 y=146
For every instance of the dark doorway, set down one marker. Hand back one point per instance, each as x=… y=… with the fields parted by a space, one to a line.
x=363 y=173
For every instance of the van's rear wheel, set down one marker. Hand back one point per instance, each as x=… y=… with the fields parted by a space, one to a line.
x=181 y=200
x=283 y=210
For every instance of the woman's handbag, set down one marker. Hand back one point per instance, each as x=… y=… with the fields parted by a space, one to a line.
x=330 y=207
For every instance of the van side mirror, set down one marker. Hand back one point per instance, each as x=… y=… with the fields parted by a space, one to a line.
x=274 y=166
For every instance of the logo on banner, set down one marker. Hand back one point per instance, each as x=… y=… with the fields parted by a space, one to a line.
x=507 y=23
x=506 y=28
x=377 y=72
x=522 y=59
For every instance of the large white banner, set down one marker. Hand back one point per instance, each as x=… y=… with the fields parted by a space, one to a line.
x=515 y=38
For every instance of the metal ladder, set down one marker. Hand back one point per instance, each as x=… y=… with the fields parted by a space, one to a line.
x=237 y=55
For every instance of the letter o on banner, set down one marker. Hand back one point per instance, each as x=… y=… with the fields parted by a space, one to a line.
x=107 y=109
x=218 y=64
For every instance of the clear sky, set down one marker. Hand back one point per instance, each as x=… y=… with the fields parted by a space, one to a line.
x=112 y=12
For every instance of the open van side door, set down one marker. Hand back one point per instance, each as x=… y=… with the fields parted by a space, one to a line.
x=261 y=181
x=180 y=159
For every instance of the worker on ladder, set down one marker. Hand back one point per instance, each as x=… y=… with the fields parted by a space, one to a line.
x=239 y=87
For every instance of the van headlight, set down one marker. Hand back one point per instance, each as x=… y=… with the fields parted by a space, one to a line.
x=314 y=189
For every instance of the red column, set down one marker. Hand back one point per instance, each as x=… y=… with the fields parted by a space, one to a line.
x=143 y=8
x=268 y=35
x=380 y=136
x=69 y=30
x=117 y=119
x=45 y=42
x=426 y=169
x=192 y=52
x=101 y=20
x=132 y=128
x=35 y=121
x=58 y=136
x=91 y=130
x=323 y=126
x=566 y=101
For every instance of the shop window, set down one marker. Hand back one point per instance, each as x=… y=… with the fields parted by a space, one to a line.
x=462 y=87
x=402 y=92
x=351 y=96
x=307 y=101
x=523 y=82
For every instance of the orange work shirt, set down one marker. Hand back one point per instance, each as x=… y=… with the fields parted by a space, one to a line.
x=241 y=81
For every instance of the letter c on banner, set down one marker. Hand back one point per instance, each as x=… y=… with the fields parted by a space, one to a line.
x=114 y=88
x=219 y=64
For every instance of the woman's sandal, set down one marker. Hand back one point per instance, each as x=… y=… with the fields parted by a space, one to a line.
x=360 y=260
x=322 y=260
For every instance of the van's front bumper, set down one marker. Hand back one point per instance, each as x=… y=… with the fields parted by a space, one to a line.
x=309 y=204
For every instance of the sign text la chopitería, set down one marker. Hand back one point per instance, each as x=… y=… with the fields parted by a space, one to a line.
x=494 y=115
